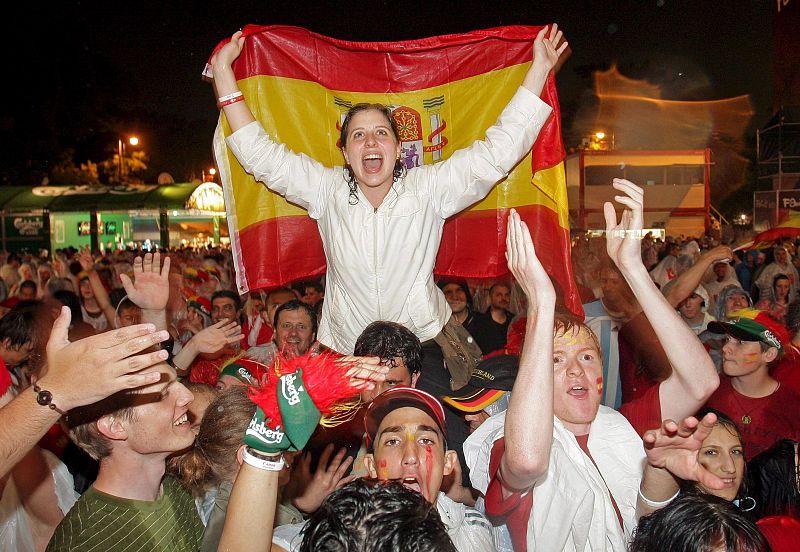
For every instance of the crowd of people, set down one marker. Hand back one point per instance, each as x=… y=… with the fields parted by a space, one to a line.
x=146 y=405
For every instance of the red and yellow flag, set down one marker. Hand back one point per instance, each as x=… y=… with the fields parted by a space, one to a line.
x=445 y=92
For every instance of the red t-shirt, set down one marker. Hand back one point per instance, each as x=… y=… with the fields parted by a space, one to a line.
x=771 y=418
x=5 y=378
x=644 y=413
x=787 y=371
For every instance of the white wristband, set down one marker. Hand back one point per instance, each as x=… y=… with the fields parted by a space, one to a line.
x=654 y=504
x=262 y=463
x=231 y=96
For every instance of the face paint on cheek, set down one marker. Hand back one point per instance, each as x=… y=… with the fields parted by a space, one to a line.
x=428 y=464
x=599 y=383
x=751 y=357
x=383 y=471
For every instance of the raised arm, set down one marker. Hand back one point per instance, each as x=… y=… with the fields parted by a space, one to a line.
x=149 y=288
x=529 y=418
x=208 y=340
x=77 y=374
x=547 y=49
x=693 y=377
x=237 y=114
x=687 y=282
x=100 y=294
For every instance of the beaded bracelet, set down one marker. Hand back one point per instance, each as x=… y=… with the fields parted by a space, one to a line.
x=45 y=398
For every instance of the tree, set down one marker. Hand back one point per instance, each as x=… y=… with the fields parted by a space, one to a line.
x=134 y=163
x=65 y=173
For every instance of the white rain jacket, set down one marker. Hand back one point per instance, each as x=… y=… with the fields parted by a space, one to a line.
x=380 y=261
x=572 y=510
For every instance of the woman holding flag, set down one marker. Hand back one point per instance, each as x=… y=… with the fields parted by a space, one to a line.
x=380 y=223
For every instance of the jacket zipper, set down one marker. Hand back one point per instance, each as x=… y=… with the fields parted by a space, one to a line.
x=375 y=257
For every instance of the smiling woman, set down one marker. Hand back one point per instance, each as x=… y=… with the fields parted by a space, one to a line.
x=380 y=224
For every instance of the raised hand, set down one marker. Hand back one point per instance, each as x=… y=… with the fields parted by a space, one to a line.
x=86 y=259
x=674 y=447
x=150 y=286
x=365 y=371
x=91 y=369
x=623 y=239
x=525 y=265
x=719 y=253
x=216 y=336
x=314 y=488
x=547 y=48
x=226 y=55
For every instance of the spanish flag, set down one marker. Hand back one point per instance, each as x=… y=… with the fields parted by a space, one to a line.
x=444 y=91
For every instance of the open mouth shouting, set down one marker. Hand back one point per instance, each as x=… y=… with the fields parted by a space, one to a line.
x=372 y=163
x=578 y=391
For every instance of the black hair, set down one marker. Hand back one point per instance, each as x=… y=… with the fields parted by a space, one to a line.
x=399 y=168
x=443 y=283
x=75 y=268
x=28 y=284
x=228 y=294
x=697 y=523
x=311 y=284
x=18 y=324
x=117 y=295
x=71 y=300
x=368 y=515
x=293 y=305
x=773 y=478
x=389 y=340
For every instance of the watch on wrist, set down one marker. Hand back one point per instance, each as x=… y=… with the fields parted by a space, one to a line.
x=45 y=398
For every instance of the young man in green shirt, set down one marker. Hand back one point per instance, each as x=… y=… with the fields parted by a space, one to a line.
x=131 y=506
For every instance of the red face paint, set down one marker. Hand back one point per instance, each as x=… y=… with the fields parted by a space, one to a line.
x=382 y=469
x=599 y=383
x=428 y=468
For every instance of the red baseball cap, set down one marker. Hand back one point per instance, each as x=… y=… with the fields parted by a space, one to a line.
x=399 y=397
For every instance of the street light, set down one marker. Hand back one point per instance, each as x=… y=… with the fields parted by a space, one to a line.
x=212 y=172
x=132 y=140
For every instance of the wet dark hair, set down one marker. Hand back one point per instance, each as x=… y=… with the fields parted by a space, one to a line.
x=28 y=284
x=390 y=340
x=697 y=523
x=773 y=478
x=399 y=168
x=375 y=516
x=294 y=305
x=228 y=294
x=71 y=300
x=17 y=325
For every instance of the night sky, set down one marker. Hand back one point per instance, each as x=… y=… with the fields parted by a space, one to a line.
x=92 y=71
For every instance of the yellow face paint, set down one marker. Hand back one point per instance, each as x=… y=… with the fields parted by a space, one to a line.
x=600 y=385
